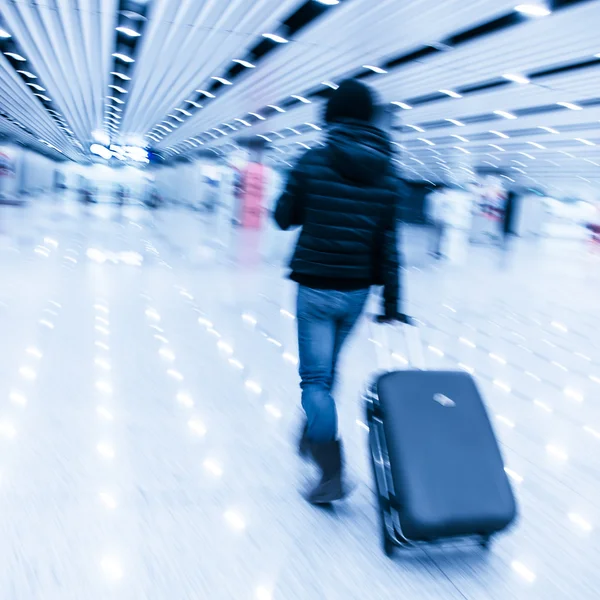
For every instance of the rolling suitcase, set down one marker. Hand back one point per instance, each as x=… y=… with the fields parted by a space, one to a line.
x=438 y=470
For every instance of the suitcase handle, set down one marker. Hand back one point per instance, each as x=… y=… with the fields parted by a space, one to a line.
x=379 y=327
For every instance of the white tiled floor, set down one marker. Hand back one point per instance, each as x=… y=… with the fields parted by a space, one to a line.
x=148 y=403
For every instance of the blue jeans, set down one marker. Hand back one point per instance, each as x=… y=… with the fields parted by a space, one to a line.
x=325 y=319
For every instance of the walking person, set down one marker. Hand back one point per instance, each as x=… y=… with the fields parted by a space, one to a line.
x=345 y=197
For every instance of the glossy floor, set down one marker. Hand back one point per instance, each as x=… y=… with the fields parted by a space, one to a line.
x=148 y=401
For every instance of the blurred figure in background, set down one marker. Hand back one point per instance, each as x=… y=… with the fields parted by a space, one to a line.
x=345 y=197
x=121 y=199
x=437 y=206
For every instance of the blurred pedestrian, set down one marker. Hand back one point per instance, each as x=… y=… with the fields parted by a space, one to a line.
x=345 y=197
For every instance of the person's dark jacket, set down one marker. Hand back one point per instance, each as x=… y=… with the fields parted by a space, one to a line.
x=346 y=196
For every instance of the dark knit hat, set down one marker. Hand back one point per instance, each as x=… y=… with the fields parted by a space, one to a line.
x=352 y=100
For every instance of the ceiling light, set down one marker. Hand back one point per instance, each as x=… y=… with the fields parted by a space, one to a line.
x=35 y=86
x=499 y=134
x=176 y=118
x=243 y=122
x=497 y=147
x=100 y=151
x=303 y=145
x=184 y=112
x=464 y=150
x=28 y=74
x=451 y=93
x=257 y=116
x=428 y=142
x=244 y=63
x=416 y=128
x=119 y=89
x=123 y=57
x=460 y=137
x=329 y=2
x=4 y=34
x=548 y=129
x=222 y=80
x=570 y=105
x=403 y=105
x=275 y=38
x=506 y=115
x=120 y=75
x=117 y=100
x=293 y=130
x=264 y=137
x=316 y=127
x=533 y=10
x=375 y=69
x=277 y=108
x=333 y=86
x=16 y=56
x=43 y=97
x=536 y=145
x=516 y=78
x=207 y=94
x=586 y=142
x=129 y=32
x=112 y=107
x=194 y=103
x=526 y=155
x=301 y=98
x=455 y=122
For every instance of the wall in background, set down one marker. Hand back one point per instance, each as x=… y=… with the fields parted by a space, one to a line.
x=34 y=173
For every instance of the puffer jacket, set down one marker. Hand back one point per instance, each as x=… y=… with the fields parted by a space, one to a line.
x=346 y=196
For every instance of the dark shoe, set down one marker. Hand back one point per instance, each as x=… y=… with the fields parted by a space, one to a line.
x=328 y=456
x=304 y=443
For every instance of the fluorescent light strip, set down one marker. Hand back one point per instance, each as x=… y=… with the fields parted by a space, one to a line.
x=516 y=78
x=301 y=98
x=533 y=10
x=207 y=94
x=16 y=56
x=244 y=63
x=275 y=38
x=506 y=115
x=128 y=32
x=123 y=57
x=450 y=93
x=570 y=105
x=194 y=103
x=257 y=116
x=403 y=105
x=499 y=134
x=375 y=69
x=120 y=75
x=222 y=80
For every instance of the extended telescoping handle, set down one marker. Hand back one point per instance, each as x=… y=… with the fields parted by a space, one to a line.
x=412 y=338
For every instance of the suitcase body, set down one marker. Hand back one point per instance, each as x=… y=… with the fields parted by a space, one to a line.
x=438 y=469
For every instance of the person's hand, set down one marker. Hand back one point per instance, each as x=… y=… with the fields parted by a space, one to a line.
x=395 y=318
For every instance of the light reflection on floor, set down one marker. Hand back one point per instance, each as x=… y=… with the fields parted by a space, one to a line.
x=148 y=396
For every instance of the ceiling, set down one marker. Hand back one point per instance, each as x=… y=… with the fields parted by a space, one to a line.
x=160 y=88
